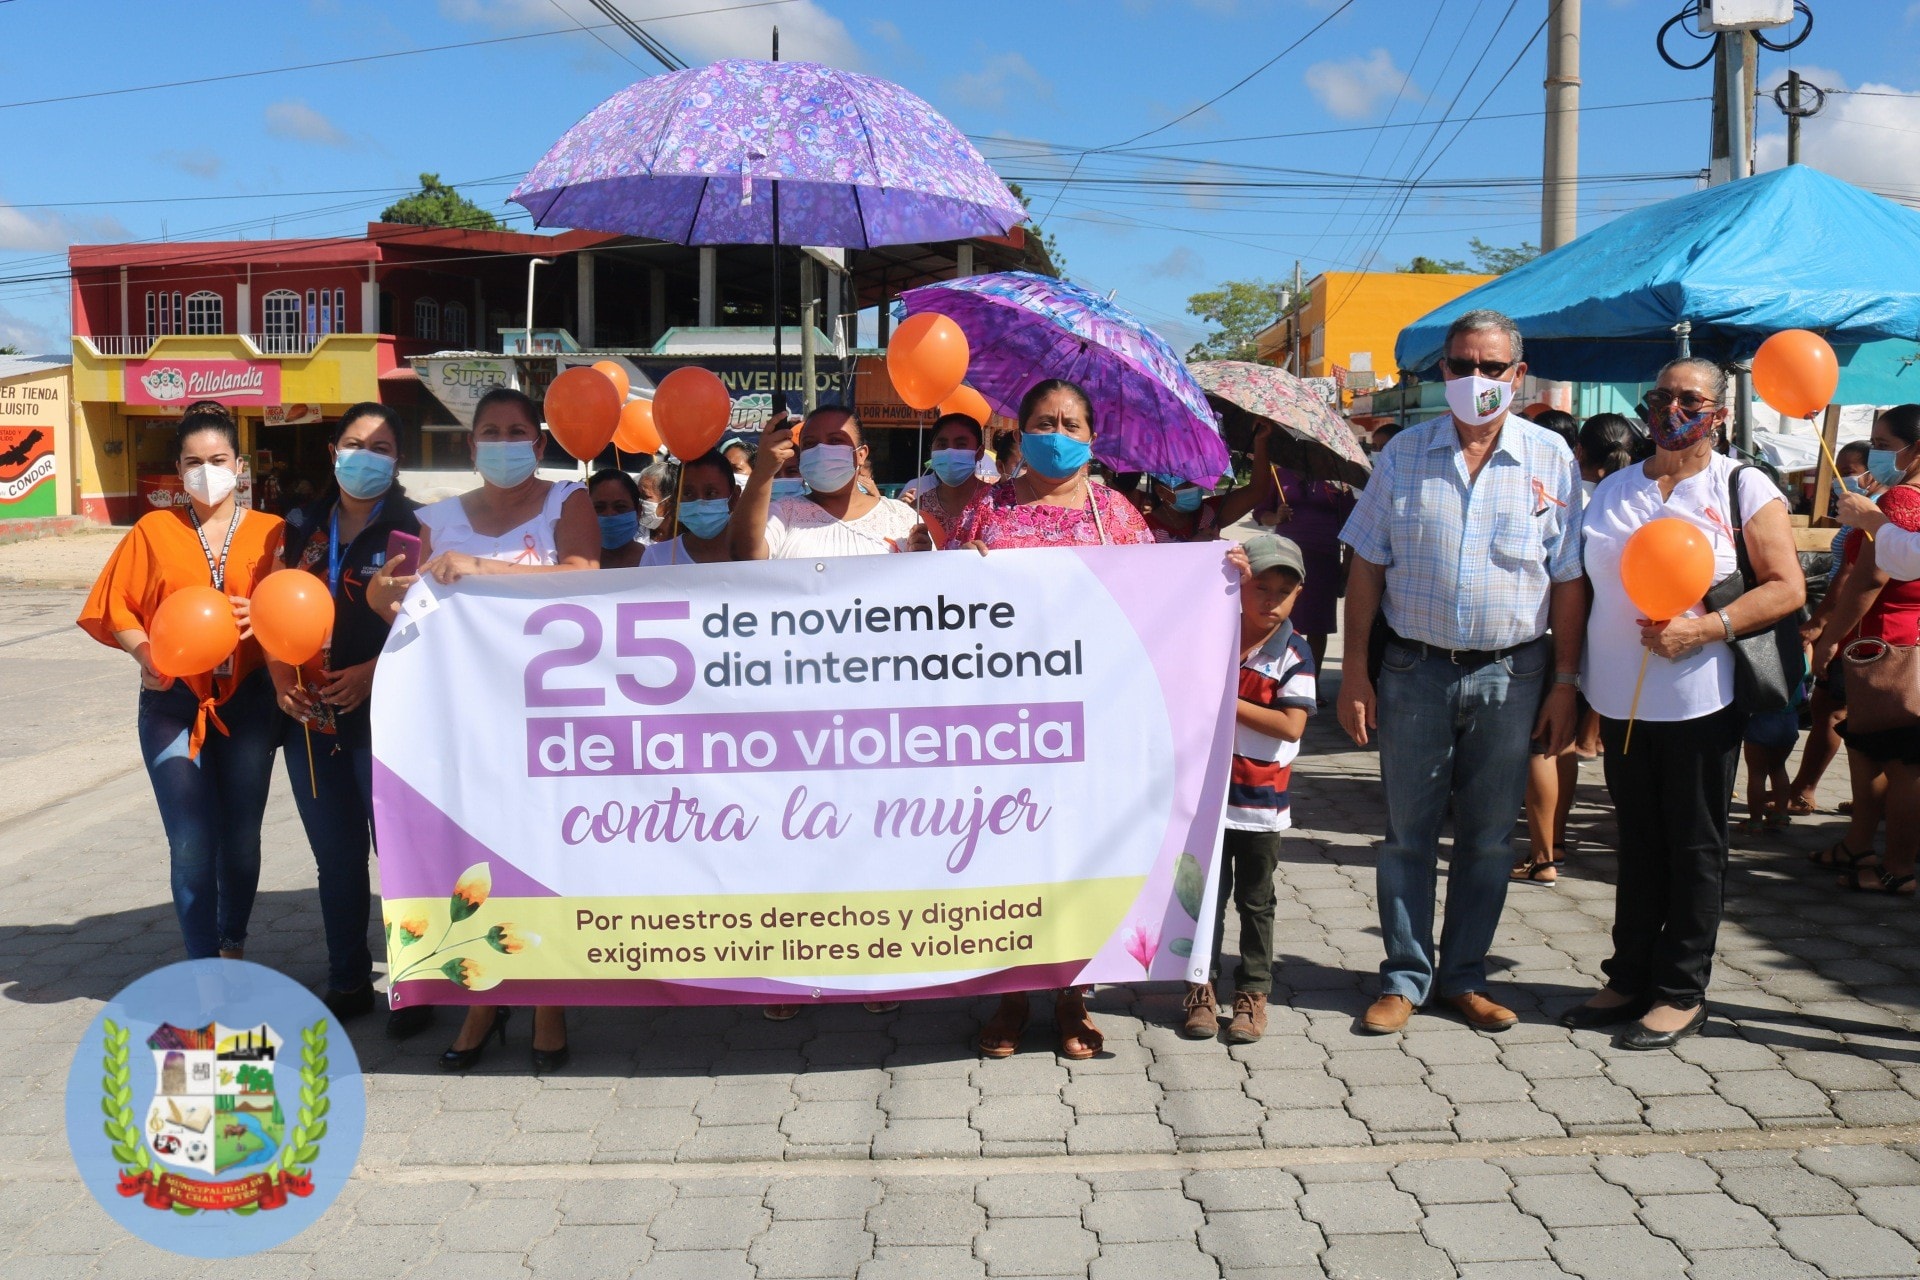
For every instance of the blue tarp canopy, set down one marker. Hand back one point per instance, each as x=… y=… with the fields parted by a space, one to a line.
x=1790 y=249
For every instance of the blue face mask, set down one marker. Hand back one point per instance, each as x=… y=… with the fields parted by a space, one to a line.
x=1054 y=454
x=619 y=530
x=362 y=473
x=788 y=487
x=954 y=466
x=1884 y=466
x=505 y=463
x=705 y=517
x=828 y=468
x=1187 y=498
x=1847 y=484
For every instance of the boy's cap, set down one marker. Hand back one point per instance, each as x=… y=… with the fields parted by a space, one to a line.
x=1271 y=551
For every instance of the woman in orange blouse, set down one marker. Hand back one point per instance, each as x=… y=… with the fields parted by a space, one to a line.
x=207 y=740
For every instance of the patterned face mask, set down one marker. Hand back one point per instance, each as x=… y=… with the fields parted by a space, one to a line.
x=1682 y=430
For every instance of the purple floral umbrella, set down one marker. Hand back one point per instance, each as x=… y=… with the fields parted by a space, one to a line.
x=689 y=157
x=1313 y=439
x=1023 y=328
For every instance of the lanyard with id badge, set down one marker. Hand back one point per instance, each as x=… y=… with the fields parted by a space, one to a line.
x=218 y=569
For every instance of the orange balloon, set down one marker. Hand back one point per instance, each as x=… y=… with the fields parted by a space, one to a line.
x=926 y=358
x=616 y=375
x=192 y=631
x=1795 y=371
x=292 y=615
x=637 y=433
x=583 y=409
x=691 y=409
x=967 y=401
x=1666 y=567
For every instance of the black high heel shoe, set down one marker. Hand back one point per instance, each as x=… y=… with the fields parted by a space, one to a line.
x=545 y=1060
x=462 y=1059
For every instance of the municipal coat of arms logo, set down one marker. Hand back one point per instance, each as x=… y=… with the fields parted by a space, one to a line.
x=234 y=1122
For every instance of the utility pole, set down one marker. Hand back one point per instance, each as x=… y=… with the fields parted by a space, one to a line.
x=1735 y=63
x=1560 y=163
x=1793 y=119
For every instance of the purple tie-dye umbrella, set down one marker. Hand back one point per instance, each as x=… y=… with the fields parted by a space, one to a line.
x=1022 y=328
x=690 y=157
x=748 y=152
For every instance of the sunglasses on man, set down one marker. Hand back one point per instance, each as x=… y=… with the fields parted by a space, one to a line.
x=1660 y=400
x=1485 y=368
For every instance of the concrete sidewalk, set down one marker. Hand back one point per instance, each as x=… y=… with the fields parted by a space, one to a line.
x=711 y=1143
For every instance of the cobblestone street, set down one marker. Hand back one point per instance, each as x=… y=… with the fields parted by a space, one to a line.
x=711 y=1143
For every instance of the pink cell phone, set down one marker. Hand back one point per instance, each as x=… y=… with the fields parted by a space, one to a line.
x=404 y=544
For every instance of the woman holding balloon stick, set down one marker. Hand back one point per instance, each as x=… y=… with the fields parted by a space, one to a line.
x=175 y=596
x=1658 y=536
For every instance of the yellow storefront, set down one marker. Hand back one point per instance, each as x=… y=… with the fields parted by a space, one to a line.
x=126 y=406
x=36 y=422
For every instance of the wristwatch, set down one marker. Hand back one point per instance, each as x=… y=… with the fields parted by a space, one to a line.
x=1726 y=622
x=1567 y=677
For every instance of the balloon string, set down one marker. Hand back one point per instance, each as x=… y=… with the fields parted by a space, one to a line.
x=1821 y=436
x=313 y=786
x=1633 y=711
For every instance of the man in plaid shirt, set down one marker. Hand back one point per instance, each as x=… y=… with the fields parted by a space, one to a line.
x=1466 y=546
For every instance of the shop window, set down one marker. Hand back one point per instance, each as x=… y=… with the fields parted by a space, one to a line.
x=167 y=314
x=454 y=326
x=153 y=318
x=206 y=313
x=426 y=319
x=339 y=310
x=279 y=320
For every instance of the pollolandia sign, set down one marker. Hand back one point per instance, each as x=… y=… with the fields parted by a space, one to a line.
x=176 y=383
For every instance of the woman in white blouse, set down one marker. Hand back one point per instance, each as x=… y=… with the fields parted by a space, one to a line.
x=1671 y=790
x=838 y=516
x=514 y=522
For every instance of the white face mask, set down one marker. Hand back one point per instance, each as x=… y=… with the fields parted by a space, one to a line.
x=650 y=516
x=1477 y=401
x=209 y=484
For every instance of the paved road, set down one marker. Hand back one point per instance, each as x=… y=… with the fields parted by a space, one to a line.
x=711 y=1143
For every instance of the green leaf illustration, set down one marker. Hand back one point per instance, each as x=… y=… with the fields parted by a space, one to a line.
x=1181 y=946
x=1189 y=884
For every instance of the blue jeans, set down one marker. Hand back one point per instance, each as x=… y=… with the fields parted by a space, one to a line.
x=1451 y=737
x=211 y=806
x=339 y=823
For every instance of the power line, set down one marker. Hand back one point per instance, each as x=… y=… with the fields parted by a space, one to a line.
x=604 y=43
x=373 y=57
x=665 y=56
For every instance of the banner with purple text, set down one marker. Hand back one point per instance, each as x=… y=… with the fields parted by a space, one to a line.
x=852 y=779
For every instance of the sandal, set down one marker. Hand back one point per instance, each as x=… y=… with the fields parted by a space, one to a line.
x=1079 y=1038
x=1898 y=886
x=1801 y=807
x=1542 y=871
x=1836 y=855
x=1000 y=1038
x=1868 y=861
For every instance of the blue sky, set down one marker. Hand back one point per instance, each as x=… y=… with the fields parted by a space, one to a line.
x=1049 y=87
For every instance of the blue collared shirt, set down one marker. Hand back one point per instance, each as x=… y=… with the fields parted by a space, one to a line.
x=1470 y=562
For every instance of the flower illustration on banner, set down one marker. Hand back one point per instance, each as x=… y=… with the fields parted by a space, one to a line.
x=470 y=891
x=451 y=959
x=1142 y=942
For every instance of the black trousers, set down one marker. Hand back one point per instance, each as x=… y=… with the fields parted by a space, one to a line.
x=1247 y=876
x=1671 y=794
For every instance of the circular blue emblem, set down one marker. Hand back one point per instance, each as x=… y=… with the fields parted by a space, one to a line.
x=215 y=1108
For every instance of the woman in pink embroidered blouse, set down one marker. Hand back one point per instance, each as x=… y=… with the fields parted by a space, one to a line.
x=1051 y=503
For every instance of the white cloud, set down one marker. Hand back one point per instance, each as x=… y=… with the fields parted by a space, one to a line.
x=296 y=121
x=1181 y=264
x=28 y=335
x=999 y=79
x=45 y=231
x=1870 y=137
x=1358 y=87
x=808 y=33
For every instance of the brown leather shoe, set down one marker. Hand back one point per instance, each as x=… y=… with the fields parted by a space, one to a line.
x=1249 y=1017
x=1203 y=1015
x=1481 y=1013
x=1386 y=1015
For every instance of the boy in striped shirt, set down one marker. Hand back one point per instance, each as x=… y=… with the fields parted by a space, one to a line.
x=1277 y=694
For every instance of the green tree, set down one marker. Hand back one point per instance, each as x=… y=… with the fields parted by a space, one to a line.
x=1498 y=260
x=438 y=205
x=1423 y=266
x=1237 y=311
x=1047 y=242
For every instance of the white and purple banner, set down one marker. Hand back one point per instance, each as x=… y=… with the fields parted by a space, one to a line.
x=845 y=779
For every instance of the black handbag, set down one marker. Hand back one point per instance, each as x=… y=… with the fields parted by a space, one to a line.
x=1769 y=664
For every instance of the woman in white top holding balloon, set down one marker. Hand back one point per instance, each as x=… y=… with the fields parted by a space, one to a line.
x=514 y=522
x=1672 y=784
